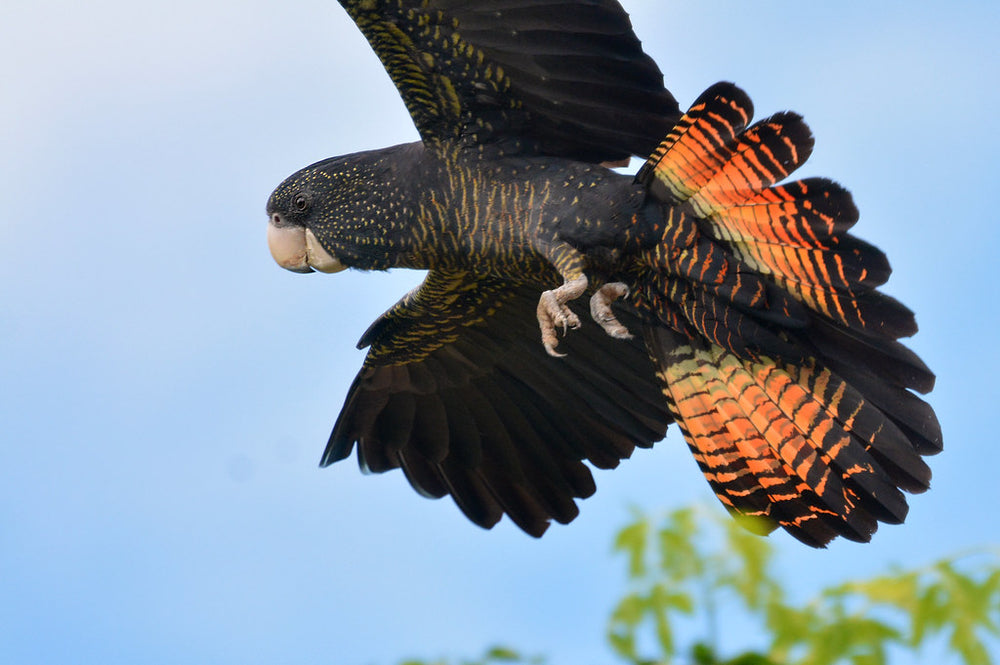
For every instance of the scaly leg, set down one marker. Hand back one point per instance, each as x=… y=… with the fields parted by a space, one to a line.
x=600 y=309
x=552 y=310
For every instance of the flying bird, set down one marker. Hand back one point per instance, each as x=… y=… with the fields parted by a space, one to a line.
x=570 y=313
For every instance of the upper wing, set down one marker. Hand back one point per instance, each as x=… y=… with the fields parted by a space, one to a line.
x=558 y=77
x=459 y=393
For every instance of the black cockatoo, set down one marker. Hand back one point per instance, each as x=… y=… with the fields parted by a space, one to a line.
x=719 y=298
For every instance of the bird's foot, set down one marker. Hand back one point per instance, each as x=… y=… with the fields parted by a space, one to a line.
x=600 y=309
x=553 y=312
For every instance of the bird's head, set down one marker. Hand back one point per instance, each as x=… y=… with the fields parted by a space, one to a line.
x=336 y=213
x=292 y=211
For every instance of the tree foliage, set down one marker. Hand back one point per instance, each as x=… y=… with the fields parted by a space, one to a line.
x=687 y=569
x=497 y=655
x=691 y=571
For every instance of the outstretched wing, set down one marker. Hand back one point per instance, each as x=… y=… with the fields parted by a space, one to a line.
x=558 y=77
x=458 y=391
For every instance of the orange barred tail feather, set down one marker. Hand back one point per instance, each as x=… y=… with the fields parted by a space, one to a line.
x=777 y=353
x=791 y=443
x=724 y=173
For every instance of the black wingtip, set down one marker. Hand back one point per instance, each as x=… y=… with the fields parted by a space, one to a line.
x=337 y=448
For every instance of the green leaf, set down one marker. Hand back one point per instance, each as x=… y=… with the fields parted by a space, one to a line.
x=663 y=598
x=930 y=615
x=789 y=627
x=622 y=644
x=703 y=654
x=664 y=634
x=679 y=556
x=965 y=641
x=750 y=658
x=901 y=591
x=632 y=540
x=629 y=610
x=502 y=654
x=748 y=572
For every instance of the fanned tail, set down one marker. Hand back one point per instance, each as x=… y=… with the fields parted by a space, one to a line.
x=776 y=351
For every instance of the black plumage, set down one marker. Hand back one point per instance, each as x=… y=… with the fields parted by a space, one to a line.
x=737 y=306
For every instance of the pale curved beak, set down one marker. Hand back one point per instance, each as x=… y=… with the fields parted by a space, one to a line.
x=296 y=248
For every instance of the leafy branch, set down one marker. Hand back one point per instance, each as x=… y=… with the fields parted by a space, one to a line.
x=707 y=563
x=693 y=570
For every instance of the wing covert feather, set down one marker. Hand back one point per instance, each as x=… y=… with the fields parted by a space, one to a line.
x=552 y=77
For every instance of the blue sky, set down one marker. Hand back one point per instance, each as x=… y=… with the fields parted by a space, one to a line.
x=166 y=390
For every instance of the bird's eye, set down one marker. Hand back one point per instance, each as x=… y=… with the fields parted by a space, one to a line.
x=301 y=202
